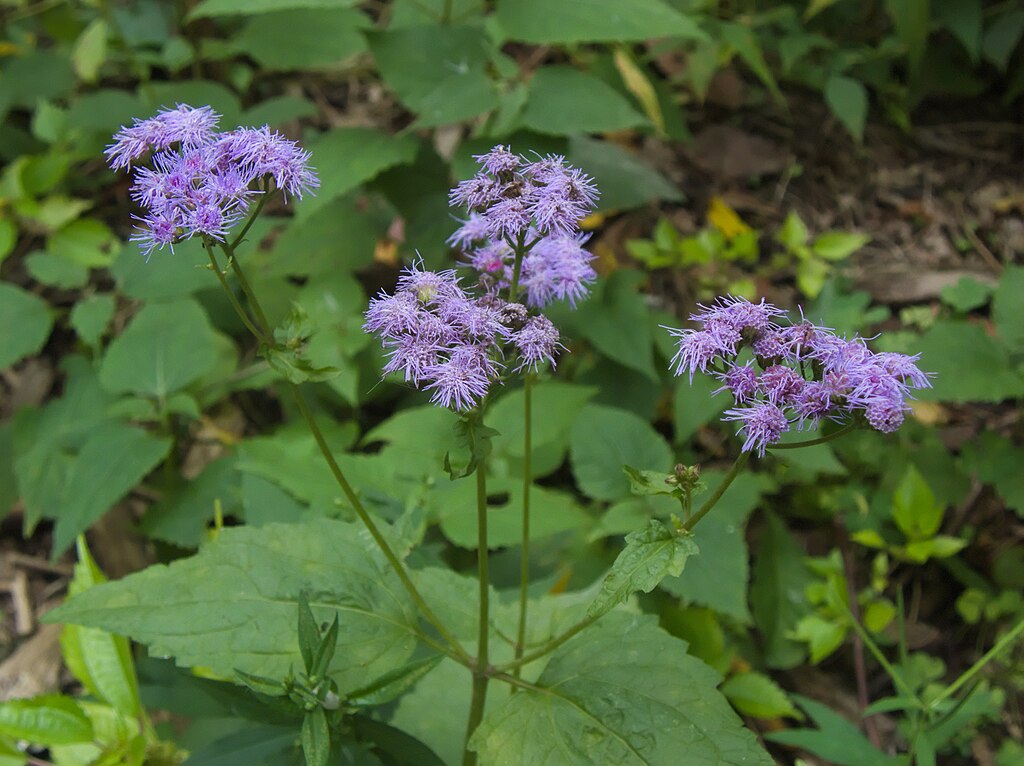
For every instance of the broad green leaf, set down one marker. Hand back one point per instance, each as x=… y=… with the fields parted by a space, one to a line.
x=969 y=365
x=1002 y=36
x=8 y=237
x=101 y=661
x=643 y=483
x=694 y=406
x=555 y=407
x=165 y=275
x=837 y=245
x=940 y=546
x=90 y=317
x=848 y=100
x=565 y=101
x=1007 y=310
x=574 y=21
x=345 y=158
x=604 y=439
x=777 y=593
x=40 y=74
x=718 y=576
x=52 y=270
x=394 y=683
x=90 y=50
x=232 y=606
x=279 y=109
x=251 y=7
x=963 y=19
x=615 y=319
x=31 y=315
x=622 y=692
x=426 y=64
x=836 y=739
x=793 y=232
x=435 y=711
x=997 y=461
x=650 y=555
x=113 y=459
x=624 y=180
x=48 y=720
x=302 y=38
x=914 y=508
x=164 y=348
x=967 y=294
x=454 y=505
x=821 y=635
x=755 y=694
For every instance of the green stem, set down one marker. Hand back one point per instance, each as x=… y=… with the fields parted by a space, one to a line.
x=461 y=654
x=252 y=218
x=371 y=526
x=524 y=557
x=869 y=642
x=705 y=509
x=551 y=645
x=481 y=667
x=517 y=267
x=812 y=442
x=968 y=674
x=243 y=282
x=261 y=336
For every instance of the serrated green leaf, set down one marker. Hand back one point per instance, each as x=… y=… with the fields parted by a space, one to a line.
x=48 y=720
x=164 y=348
x=573 y=21
x=604 y=439
x=564 y=101
x=31 y=315
x=101 y=661
x=837 y=245
x=755 y=694
x=622 y=692
x=392 y=684
x=233 y=604
x=822 y=636
x=650 y=555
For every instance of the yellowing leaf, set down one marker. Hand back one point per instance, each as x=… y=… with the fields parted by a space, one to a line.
x=639 y=85
x=593 y=221
x=725 y=219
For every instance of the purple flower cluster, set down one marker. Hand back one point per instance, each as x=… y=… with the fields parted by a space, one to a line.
x=200 y=181
x=800 y=374
x=535 y=207
x=452 y=344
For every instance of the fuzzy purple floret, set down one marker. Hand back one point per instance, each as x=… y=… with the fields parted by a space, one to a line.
x=804 y=373
x=199 y=181
x=536 y=205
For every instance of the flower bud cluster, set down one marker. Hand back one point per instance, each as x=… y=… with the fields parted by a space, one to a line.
x=800 y=374
x=199 y=181
x=535 y=206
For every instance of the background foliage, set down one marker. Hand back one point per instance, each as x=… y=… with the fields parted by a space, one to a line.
x=158 y=403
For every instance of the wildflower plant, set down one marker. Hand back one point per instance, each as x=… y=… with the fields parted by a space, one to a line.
x=602 y=683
